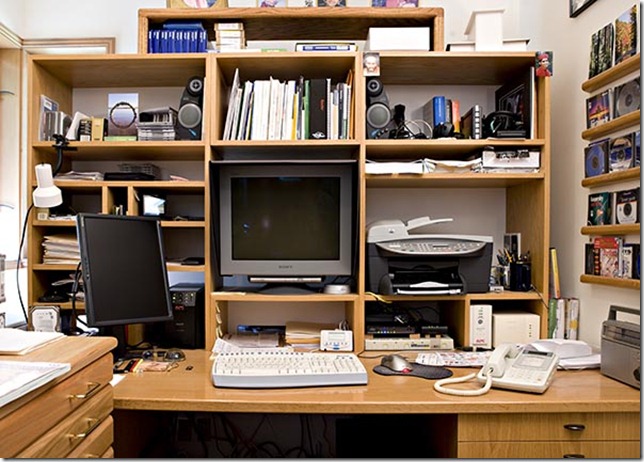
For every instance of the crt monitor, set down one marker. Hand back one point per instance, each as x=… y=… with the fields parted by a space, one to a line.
x=124 y=270
x=278 y=221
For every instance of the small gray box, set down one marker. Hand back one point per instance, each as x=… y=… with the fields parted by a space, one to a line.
x=620 y=347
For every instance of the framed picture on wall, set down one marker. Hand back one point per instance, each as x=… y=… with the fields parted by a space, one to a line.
x=577 y=6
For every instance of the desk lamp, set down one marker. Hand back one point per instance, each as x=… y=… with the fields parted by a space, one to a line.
x=47 y=194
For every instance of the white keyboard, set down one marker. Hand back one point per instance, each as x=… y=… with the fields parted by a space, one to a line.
x=285 y=369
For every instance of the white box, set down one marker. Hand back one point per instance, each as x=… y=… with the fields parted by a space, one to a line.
x=493 y=159
x=481 y=326
x=485 y=28
x=515 y=327
x=398 y=38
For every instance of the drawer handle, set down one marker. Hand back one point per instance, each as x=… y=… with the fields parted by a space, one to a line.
x=575 y=427
x=574 y=456
x=93 y=423
x=91 y=388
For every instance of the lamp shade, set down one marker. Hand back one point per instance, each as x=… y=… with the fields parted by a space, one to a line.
x=46 y=195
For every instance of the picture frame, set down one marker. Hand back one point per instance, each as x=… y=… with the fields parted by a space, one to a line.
x=578 y=6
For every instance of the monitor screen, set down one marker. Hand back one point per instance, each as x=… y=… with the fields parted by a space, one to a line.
x=284 y=219
x=124 y=271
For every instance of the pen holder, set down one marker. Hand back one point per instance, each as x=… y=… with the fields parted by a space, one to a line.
x=502 y=276
x=520 y=277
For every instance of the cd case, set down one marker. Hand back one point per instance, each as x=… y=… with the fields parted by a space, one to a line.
x=596 y=158
x=600 y=209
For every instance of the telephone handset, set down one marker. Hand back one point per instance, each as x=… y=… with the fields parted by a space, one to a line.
x=512 y=368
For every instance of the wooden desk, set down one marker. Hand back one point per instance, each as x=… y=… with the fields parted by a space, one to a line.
x=69 y=416
x=498 y=424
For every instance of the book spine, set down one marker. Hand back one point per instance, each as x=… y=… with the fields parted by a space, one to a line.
x=439 y=110
x=572 y=318
x=322 y=47
x=318 y=109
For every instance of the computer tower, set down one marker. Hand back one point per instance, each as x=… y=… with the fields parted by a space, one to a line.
x=186 y=330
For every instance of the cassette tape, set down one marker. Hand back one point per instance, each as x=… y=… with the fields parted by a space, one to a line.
x=626 y=206
x=626 y=98
x=621 y=153
x=596 y=158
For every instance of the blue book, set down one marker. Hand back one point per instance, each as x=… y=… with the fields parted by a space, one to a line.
x=439 y=110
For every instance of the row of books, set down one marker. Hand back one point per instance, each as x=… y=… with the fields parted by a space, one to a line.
x=439 y=110
x=178 y=37
x=610 y=256
x=614 y=42
x=624 y=203
x=289 y=110
x=563 y=318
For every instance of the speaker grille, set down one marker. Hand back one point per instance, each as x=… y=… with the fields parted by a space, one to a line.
x=189 y=115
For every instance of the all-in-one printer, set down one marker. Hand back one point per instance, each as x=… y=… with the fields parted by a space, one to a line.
x=400 y=263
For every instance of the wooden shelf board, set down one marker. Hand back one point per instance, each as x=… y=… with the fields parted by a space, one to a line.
x=611 y=230
x=441 y=149
x=134 y=150
x=254 y=297
x=613 y=177
x=632 y=119
x=123 y=70
x=56 y=223
x=347 y=148
x=615 y=282
x=176 y=186
x=176 y=267
x=452 y=180
x=506 y=295
x=607 y=77
x=183 y=224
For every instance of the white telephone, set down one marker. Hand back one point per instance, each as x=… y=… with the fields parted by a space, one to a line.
x=510 y=367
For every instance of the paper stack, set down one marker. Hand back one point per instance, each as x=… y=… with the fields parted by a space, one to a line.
x=60 y=249
x=305 y=336
x=17 y=378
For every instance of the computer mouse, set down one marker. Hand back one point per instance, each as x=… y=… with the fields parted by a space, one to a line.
x=397 y=363
x=174 y=354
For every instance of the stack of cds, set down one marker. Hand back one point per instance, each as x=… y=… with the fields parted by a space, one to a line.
x=157 y=124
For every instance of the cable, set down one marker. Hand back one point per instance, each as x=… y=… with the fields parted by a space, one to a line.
x=22 y=242
x=438 y=385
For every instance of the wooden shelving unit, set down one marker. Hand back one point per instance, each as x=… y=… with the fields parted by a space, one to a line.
x=630 y=120
x=525 y=196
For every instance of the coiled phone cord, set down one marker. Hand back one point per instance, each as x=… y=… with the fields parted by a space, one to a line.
x=438 y=385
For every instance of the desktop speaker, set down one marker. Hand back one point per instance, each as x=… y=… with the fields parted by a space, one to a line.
x=186 y=330
x=378 y=112
x=190 y=114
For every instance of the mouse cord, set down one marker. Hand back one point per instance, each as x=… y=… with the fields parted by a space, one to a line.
x=438 y=386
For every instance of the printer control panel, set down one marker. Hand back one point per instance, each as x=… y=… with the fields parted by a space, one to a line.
x=432 y=246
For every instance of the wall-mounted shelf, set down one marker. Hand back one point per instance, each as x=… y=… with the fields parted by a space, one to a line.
x=614 y=282
x=611 y=230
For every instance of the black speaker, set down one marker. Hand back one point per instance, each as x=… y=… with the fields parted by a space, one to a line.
x=190 y=114
x=187 y=329
x=378 y=112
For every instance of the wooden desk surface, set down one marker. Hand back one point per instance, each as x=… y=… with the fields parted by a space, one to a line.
x=192 y=390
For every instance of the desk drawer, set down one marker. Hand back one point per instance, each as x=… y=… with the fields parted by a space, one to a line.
x=550 y=450
x=24 y=426
x=623 y=426
x=97 y=443
x=74 y=429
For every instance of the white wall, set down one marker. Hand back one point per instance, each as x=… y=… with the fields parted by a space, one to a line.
x=546 y=23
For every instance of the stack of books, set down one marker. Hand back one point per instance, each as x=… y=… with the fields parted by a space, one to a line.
x=178 y=37
x=229 y=36
x=305 y=336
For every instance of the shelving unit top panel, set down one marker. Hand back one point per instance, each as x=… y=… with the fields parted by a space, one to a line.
x=123 y=70
x=452 y=68
x=304 y=23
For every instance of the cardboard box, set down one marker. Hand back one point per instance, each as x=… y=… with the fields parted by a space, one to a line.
x=485 y=28
x=399 y=38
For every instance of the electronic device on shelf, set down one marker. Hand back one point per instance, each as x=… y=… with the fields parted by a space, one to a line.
x=124 y=272
x=288 y=222
x=285 y=369
x=399 y=262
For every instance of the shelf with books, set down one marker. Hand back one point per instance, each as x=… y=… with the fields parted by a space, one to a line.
x=614 y=73
x=299 y=24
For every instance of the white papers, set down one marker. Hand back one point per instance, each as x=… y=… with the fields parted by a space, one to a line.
x=19 y=342
x=454 y=359
x=17 y=378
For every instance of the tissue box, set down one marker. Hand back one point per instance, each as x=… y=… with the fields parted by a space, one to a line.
x=398 y=38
